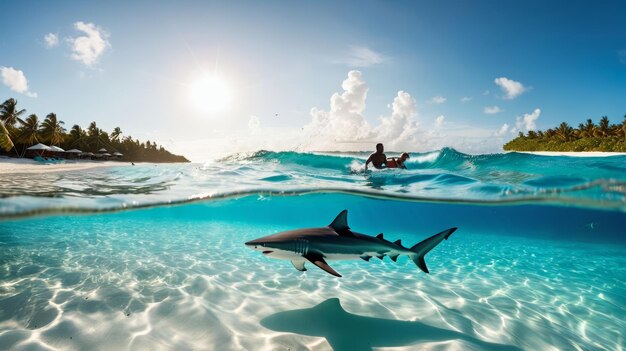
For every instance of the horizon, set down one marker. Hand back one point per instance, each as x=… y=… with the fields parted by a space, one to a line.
x=220 y=78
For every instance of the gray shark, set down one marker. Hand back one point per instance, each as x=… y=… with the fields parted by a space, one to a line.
x=337 y=242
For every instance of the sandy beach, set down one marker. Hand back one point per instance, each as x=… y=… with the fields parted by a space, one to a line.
x=573 y=153
x=23 y=165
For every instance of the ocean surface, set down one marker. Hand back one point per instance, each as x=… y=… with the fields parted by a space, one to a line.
x=152 y=257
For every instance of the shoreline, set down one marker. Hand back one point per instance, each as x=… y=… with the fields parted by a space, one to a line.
x=25 y=165
x=571 y=153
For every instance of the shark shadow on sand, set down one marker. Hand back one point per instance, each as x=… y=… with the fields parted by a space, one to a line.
x=345 y=331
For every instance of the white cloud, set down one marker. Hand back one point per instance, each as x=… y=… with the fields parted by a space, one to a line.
x=344 y=120
x=15 y=80
x=362 y=56
x=439 y=120
x=466 y=98
x=254 y=123
x=51 y=40
x=438 y=99
x=622 y=56
x=512 y=88
x=89 y=47
x=527 y=121
x=344 y=127
x=492 y=110
x=399 y=130
x=502 y=131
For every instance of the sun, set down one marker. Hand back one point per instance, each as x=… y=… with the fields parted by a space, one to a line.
x=210 y=93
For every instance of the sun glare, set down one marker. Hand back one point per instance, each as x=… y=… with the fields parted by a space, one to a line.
x=210 y=93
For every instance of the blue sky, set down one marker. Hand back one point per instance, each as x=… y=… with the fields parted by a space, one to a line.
x=565 y=59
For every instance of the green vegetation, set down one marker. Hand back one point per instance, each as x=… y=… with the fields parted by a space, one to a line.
x=603 y=136
x=16 y=134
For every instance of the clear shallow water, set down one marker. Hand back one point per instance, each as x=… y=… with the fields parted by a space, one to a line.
x=547 y=272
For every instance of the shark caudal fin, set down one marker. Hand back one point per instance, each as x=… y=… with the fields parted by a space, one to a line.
x=422 y=248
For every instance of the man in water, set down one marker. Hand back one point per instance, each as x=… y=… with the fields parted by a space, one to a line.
x=378 y=159
x=395 y=162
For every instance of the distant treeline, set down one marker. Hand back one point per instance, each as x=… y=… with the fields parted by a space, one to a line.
x=18 y=131
x=603 y=136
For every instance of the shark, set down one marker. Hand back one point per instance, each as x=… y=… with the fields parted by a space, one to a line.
x=345 y=331
x=338 y=242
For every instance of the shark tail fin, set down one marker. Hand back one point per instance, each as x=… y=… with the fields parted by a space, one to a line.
x=422 y=248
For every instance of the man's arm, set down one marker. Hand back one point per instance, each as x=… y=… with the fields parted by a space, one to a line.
x=369 y=159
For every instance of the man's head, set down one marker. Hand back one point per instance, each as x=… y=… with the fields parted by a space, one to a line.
x=379 y=147
x=404 y=156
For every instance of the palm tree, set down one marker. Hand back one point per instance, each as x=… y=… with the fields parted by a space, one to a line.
x=9 y=113
x=52 y=129
x=604 y=125
x=5 y=139
x=94 y=135
x=29 y=130
x=115 y=135
x=564 y=131
x=78 y=137
x=624 y=127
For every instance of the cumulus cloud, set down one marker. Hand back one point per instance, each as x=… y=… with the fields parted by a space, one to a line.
x=362 y=56
x=15 y=80
x=466 y=98
x=502 y=131
x=512 y=88
x=438 y=99
x=344 y=120
x=492 y=110
x=400 y=129
x=527 y=121
x=51 y=40
x=344 y=127
x=88 y=48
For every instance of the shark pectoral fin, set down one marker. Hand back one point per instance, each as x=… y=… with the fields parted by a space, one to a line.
x=299 y=265
x=318 y=260
x=394 y=258
x=422 y=264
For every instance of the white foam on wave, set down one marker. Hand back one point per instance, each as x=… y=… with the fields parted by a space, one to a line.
x=426 y=158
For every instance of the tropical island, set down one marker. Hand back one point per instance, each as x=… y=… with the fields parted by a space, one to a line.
x=603 y=136
x=18 y=132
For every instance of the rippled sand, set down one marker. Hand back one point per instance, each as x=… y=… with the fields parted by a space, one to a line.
x=150 y=280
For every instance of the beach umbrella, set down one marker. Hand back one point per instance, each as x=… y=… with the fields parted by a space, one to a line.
x=73 y=151
x=56 y=148
x=106 y=154
x=39 y=147
x=102 y=150
x=117 y=154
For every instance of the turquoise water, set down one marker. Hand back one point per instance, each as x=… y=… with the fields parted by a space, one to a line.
x=152 y=257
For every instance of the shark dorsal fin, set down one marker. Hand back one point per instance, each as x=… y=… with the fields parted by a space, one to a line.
x=340 y=224
x=398 y=242
x=380 y=236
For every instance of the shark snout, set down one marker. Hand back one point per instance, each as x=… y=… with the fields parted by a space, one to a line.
x=255 y=244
